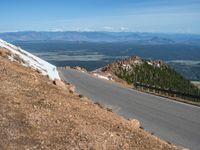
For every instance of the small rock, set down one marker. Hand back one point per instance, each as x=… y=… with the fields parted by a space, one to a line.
x=71 y=88
x=80 y=69
x=57 y=121
x=135 y=123
x=59 y=83
x=81 y=96
x=67 y=67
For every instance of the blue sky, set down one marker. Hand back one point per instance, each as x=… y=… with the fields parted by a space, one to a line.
x=176 y=16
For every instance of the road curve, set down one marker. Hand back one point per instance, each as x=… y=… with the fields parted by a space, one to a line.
x=173 y=121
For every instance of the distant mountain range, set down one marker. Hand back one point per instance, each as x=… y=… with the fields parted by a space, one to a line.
x=138 y=37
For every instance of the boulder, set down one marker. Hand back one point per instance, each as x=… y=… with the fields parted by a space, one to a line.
x=80 y=69
x=77 y=68
x=135 y=123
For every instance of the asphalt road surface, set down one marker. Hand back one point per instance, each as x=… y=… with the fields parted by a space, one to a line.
x=173 y=121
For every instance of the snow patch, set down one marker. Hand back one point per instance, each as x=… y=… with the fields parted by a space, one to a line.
x=31 y=60
x=126 y=66
x=149 y=63
x=100 y=76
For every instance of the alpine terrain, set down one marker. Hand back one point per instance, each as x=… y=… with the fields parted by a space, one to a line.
x=39 y=111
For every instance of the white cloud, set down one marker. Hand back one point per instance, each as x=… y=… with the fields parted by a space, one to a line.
x=57 y=30
x=83 y=29
x=123 y=29
x=108 y=28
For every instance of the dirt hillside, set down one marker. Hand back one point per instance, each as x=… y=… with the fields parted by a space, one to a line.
x=36 y=114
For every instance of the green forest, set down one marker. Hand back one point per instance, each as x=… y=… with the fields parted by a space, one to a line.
x=162 y=77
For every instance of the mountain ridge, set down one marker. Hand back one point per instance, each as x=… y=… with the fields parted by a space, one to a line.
x=97 y=36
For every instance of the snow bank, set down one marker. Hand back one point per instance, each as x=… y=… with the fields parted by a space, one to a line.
x=100 y=76
x=32 y=61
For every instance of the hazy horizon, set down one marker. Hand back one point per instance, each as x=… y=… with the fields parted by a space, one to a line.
x=101 y=31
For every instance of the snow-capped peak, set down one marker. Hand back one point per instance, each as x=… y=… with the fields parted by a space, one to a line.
x=30 y=60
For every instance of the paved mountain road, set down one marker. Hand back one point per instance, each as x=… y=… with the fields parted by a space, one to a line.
x=176 y=122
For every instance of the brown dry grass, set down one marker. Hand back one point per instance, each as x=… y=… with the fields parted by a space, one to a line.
x=36 y=114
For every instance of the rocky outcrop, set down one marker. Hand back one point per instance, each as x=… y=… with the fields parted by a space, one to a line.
x=128 y=62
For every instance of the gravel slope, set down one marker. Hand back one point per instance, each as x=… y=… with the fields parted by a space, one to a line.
x=36 y=114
